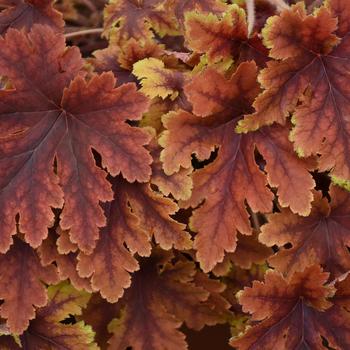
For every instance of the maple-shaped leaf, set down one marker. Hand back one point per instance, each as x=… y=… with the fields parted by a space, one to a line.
x=321 y=238
x=135 y=18
x=224 y=37
x=162 y=296
x=308 y=78
x=48 y=130
x=293 y=314
x=133 y=216
x=23 y=14
x=156 y=80
x=47 y=331
x=233 y=179
x=21 y=287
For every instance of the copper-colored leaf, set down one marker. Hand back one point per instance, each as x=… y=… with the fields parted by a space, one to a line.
x=133 y=216
x=293 y=314
x=233 y=178
x=321 y=238
x=134 y=19
x=66 y=261
x=21 y=287
x=224 y=37
x=23 y=14
x=309 y=78
x=48 y=130
x=111 y=262
x=162 y=296
x=47 y=331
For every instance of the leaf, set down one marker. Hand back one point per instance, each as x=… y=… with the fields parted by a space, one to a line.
x=8 y=343
x=162 y=296
x=293 y=314
x=98 y=314
x=48 y=130
x=181 y=7
x=48 y=332
x=233 y=179
x=111 y=262
x=51 y=251
x=134 y=19
x=135 y=214
x=156 y=80
x=307 y=79
x=23 y=14
x=321 y=238
x=21 y=287
x=223 y=37
x=179 y=184
x=155 y=214
x=249 y=251
x=120 y=58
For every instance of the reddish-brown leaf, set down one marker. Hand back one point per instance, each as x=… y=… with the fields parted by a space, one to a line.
x=48 y=130
x=23 y=14
x=294 y=314
x=224 y=37
x=21 y=285
x=321 y=238
x=134 y=19
x=308 y=78
x=181 y=7
x=133 y=216
x=47 y=331
x=51 y=250
x=234 y=178
x=111 y=262
x=163 y=295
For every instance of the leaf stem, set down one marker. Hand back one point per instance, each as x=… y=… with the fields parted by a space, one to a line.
x=84 y=32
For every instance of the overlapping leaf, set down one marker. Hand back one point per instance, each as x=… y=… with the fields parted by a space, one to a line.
x=21 y=287
x=23 y=14
x=224 y=37
x=181 y=7
x=234 y=177
x=48 y=130
x=309 y=79
x=47 y=331
x=62 y=252
x=323 y=237
x=293 y=314
x=160 y=299
x=133 y=216
x=135 y=18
